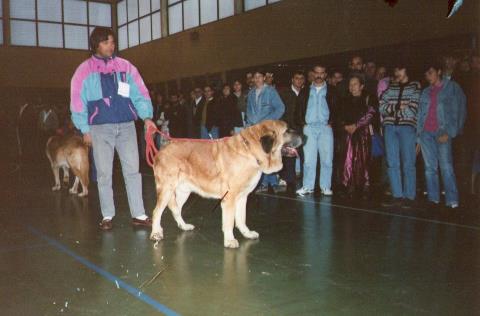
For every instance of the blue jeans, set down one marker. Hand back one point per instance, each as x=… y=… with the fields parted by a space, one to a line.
x=269 y=179
x=400 y=143
x=319 y=141
x=435 y=154
x=122 y=137
x=204 y=132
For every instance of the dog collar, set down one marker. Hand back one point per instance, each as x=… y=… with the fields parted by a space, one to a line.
x=247 y=146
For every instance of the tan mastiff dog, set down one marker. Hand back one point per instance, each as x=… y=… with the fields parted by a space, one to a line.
x=69 y=152
x=229 y=168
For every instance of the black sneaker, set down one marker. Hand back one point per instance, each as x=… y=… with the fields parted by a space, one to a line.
x=393 y=202
x=408 y=204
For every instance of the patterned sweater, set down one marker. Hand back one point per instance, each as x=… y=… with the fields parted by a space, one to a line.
x=399 y=104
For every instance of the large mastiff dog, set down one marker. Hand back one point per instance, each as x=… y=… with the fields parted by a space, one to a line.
x=228 y=168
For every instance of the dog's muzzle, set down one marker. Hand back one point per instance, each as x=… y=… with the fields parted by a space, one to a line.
x=293 y=140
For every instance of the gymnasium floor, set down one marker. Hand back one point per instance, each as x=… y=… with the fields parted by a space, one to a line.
x=315 y=256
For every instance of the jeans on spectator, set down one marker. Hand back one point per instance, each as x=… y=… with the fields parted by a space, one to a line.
x=122 y=137
x=205 y=135
x=269 y=179
x=436 y=154
x=400 y=142
x=319 y=141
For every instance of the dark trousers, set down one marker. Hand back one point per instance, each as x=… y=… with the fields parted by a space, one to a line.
x=288 y=171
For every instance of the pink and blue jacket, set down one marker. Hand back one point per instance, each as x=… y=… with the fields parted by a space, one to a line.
x=94 y=93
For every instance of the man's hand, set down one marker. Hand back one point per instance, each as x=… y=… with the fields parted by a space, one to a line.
x=87 y=139
x=149 y=123
x=443 y=139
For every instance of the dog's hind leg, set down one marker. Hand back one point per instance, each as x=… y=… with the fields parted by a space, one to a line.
x=74 y=188
x=66 y=175
x=240 y=218
x=56 y=176
x=175 y=205
x=164 y=194
x=228 y=221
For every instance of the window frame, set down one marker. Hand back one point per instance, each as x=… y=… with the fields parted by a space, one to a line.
x=62 y=23
x=137 y=20
x=268 y=2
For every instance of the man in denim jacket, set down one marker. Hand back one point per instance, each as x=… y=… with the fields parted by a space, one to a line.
x=264 y=103
x=441 y=117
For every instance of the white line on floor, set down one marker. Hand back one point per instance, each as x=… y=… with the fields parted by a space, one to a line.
x=371 y=211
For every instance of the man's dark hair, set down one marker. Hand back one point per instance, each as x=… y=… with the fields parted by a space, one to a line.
x=260 y=71
x=319 y=65
x=400 y=64
x=436 y=65
x=359 y=76
x=100 y=34
x=298 y=73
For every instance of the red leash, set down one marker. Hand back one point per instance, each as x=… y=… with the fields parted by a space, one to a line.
x=151 y=150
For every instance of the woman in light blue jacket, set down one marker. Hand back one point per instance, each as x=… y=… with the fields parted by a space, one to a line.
x=441 y=117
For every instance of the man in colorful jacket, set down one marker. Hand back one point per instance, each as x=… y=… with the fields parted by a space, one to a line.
x=107 y=96
x=441 y=117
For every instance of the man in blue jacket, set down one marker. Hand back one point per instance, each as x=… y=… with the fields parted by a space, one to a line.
x=107 y=96
x=264 y=103
x=441 y=117
x=315 y=115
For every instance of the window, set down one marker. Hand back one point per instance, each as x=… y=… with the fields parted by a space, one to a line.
x=139 y=21
x=253 y=4
x=1 y=23
x=186 y=14
x=56 y=23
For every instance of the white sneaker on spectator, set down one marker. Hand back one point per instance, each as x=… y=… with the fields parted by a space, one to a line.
x=304 y=191
x=327 y=192
x=282 y=183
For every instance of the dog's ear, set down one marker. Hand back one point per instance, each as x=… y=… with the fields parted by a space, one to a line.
x=267 y=143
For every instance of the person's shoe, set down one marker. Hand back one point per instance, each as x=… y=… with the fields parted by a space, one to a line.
x=304 y=191
x=282 y=183
x=261 y=189
x=452 y=206
x=431 y=205
x=271 y=189
x=291 y=188
x=327 y=192
x=408 y=204
x=142 y=222
x=106 y=224
x=392 y=202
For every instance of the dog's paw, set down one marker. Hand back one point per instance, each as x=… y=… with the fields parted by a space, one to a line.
x=56 y=187
x=72 y=191
x=233 y=243
x=187 y=227
x=251 y=235
x=83 y=194
x=156 y=236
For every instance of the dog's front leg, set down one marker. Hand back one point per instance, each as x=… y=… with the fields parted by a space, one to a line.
x=228 y=221
x=240 y=218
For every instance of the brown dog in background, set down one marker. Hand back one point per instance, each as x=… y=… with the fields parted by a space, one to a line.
x=227 y=169
x=69 y=152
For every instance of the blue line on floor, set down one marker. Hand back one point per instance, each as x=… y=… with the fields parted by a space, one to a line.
x=137 y=293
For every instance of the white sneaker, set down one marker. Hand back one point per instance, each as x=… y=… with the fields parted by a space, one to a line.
x=453 y=206
x=304 y=191
x=327 y=192
x=282 y=183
